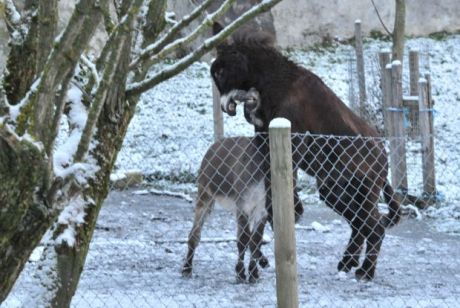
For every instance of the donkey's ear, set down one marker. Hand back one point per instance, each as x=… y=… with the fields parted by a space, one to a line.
x=216 y=28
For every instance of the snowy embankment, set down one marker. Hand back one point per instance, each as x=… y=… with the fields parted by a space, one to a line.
x=173 y=125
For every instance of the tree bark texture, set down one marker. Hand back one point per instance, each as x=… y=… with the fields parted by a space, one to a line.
x=112 y=127
x=24 y=217
x=29 y=199
x=25 y=175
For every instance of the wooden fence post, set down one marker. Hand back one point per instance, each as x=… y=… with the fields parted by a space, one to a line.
x=414 y=72
x=397 y=142
x=360 y=67
x=283 y=213
x=385 y=82
x=412 y=103
x=217 y=113
x=427 y=139
x=384 y=59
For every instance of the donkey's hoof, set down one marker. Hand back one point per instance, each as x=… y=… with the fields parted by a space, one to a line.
x=364 y=275
x=253 y=278
x=240 y=275
x=187 y=272
x=254 y=275
x=346 y=264
x=253 y=272
x=263 y=262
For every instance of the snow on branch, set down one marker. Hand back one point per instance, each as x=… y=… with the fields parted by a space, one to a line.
x=140 y=87
x=14 y=22
x=92 y=68
x=119 y=43
x=172 y=32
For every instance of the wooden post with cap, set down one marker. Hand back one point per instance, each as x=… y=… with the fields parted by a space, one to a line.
x=283 y=213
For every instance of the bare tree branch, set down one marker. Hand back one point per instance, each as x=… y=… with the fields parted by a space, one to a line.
x=108 y=22
x=122 y=42
x=13 y=21
x=62 y=62
x=380 y=18
x=172 y=32
x=208 y=45
x=46 y=31
x=92 y=69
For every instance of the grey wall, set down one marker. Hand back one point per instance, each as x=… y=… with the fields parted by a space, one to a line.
x=301 y=23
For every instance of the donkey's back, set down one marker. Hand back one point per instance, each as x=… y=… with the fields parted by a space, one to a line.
x=231 y=168
x=231 y=173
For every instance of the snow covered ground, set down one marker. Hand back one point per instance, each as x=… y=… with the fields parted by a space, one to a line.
x=138 y=248
x=173 y=126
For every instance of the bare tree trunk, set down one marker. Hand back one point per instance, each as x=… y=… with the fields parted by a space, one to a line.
x=27 y=213
x=33 y=192
x=398 y=31
x=24 y=219
x=117 y=116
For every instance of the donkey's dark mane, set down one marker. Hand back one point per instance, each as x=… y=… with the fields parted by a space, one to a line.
x=273 y=71
x=249 y=38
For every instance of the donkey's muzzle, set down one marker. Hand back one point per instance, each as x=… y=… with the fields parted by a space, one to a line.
x=230 y=108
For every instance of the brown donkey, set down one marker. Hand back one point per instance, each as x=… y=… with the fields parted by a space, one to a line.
x=350 y=173
x=233 y=172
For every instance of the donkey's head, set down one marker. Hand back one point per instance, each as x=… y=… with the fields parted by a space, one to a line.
x=231 y=70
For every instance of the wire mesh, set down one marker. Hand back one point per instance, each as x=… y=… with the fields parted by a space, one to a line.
x=140 y=253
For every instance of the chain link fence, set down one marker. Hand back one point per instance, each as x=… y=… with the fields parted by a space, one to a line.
x=141 y=253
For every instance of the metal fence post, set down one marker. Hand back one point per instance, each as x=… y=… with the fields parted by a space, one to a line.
x=427 y=139
x=283 y=213
x=217 y=113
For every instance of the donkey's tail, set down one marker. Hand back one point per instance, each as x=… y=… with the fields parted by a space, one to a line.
x=394 y=213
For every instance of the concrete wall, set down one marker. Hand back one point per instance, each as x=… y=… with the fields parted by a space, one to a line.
x=301 y=23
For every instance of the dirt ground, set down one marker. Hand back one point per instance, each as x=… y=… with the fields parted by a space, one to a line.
x=139 y=246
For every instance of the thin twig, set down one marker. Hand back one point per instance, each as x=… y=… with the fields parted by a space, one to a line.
x=380 y=18
x=13 y=20
x=140 y=87
x=163 y=41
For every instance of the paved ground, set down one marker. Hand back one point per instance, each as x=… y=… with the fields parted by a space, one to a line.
x=139 y=247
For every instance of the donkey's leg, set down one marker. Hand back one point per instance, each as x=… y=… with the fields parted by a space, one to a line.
x=374 y=232
x=371 y=228
x=351 y=255
x=203 y=207
x=343 y=197
x=263 y=261
x=243 y=237
x=256 y=253
x=353 y=198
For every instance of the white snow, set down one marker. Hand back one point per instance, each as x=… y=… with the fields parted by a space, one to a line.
x=280 y=123
x=319 y=227
x=71 y=217
x=173 y=124
x=168 y=137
